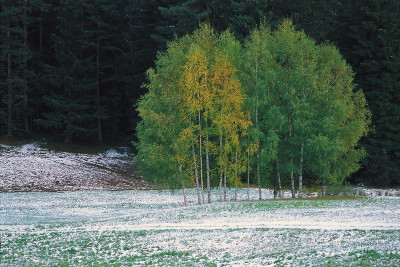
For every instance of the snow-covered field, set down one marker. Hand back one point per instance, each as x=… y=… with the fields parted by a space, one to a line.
x=154 y=228
x=31 y=168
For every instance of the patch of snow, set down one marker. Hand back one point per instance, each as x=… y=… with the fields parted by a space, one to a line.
x=29 y=148
x=110 y=225
x=31 y=168
x=112 y=153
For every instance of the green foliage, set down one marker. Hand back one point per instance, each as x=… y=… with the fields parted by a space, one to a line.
x=300 y=97
x=301 y=94
x=194 y=95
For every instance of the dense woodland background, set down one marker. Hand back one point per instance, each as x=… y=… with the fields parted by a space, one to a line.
x=73 y=70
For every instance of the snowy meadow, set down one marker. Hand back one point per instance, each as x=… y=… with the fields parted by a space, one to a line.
x=154 y=228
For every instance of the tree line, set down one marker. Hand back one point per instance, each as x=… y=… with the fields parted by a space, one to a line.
x=275 y=107
x=73 y=70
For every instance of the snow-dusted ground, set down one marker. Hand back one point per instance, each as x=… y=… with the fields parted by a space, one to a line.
x=69 y=225
x=30 y=168
x=154 y=228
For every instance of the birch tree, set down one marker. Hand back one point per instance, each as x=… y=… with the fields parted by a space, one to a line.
x=305 y=106
x=343 y=119
x=195 y=91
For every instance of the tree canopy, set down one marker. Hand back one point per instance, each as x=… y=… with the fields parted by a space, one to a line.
x=306 y=113
x=293 y=99
x=194 y=108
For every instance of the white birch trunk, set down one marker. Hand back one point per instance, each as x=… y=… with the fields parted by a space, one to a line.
x=221 y=169
x=301 y=171
x=291 y=163
x=258 y=176
x=225 y=184
x=248 y=168
x=236 y=172
x=201 y=159
x=196 y=175
x=184 y=196
x=183 y=188
x=258 y=150
x=279 y=181
x=292 y=181
x=236 y=193
x=208 y=168
x=208 y=178
x=220 y=187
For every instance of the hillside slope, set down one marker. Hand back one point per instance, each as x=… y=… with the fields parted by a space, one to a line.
x=30 y=168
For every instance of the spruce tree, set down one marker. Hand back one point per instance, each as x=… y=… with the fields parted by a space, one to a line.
x=71 y=98
x=371 y=44
x=16 y=70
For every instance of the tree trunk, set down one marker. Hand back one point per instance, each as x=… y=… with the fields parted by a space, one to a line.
x=292 y=181
x=225 y=189
x=236 y=173
x=221 y=167
x=258 y=160
x=323 y=190
x=225 y=184
x=41 y=33
x=301 y=171
x=26 y=116
x=68 y=138
x=208 y=176
x=100 y=135
x=291 y=164
x=279 y=180
x=196 y=175
x=220 y=186
x=258 y=176
x=208 y=169
x=82 y=15
x=258 y=149
x=10 y=93
x=236 y=191
x=248 y=174
x=184 y=196
x=275 y=191
x=201 y=158
x=185 y=202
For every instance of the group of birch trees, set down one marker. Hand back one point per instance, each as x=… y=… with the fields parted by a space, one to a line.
x=220 y=113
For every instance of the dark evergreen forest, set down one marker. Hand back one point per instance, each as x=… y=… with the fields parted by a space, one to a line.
x=73 y=70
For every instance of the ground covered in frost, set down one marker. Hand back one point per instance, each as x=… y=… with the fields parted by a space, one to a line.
x=154 y=228
x=32 y=167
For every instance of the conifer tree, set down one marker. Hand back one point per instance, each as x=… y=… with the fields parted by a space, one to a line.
x=16 y=73
x=71 y=101
x=371 y=44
